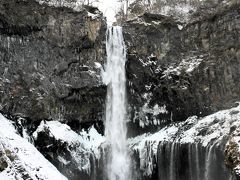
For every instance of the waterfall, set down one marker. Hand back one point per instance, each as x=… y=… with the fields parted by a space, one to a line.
x=118 y=164
x=191 y=161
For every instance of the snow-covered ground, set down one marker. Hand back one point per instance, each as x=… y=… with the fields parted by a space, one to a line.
x=21 y=159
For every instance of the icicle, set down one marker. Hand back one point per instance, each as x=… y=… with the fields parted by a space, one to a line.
x=172 y=162
x=208 y=161
x=197 y=162
x=190 y=161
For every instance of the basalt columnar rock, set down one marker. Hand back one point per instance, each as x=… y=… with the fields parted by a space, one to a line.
x=177 y=70
x=50 y=59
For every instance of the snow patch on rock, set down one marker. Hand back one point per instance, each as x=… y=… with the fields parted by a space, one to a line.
x=83 y=145
x=146 y=109
x=185 y=66
x=232 y=149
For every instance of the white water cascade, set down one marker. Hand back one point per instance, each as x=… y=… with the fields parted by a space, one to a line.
x=118 y=166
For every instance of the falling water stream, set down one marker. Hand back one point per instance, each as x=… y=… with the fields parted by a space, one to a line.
x=118 y=165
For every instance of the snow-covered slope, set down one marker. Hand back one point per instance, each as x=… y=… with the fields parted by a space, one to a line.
x=21 y=160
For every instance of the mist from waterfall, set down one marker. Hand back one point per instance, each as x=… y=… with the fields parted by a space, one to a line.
x=118 y=163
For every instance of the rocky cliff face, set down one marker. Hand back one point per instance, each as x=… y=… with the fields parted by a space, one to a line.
x=50 y=66
x=50 y=60
x=176 y=70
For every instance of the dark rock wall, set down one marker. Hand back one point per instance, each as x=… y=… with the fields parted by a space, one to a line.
x=47 y=61
x=160 y=55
